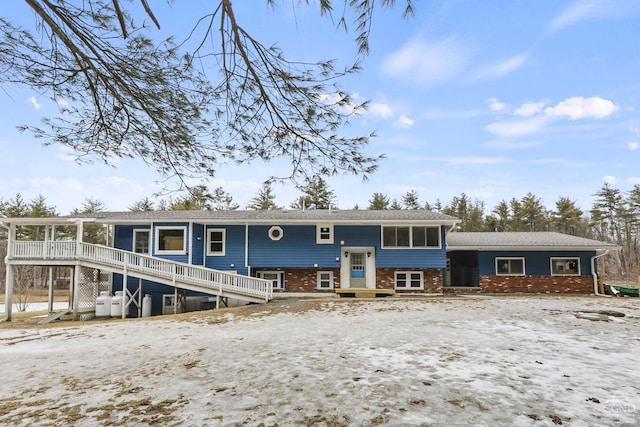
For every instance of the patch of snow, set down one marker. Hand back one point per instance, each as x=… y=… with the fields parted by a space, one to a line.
x=492 y=361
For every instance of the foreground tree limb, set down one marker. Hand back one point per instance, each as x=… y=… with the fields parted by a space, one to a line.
x=123 y=95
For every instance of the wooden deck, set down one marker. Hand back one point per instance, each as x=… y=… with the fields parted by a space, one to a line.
x=365 y=292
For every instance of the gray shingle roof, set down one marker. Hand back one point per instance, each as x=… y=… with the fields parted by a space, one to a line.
x=278 y=216
x=522 y=240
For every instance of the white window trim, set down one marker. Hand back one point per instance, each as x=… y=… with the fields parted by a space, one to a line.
x=133 y=243
x=331 y=279
x=571 y=258
x=275 y=228
x=319 y=239
x=170 y=252
x=408 y=273
x=524 y=266
x=224 y=241
x=280 y=274
x=411 y=237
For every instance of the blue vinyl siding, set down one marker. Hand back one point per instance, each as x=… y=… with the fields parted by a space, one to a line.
x=537 y=263
x=199 y=240
x=298 y=248
x=124 y=236
x=234 y=250
x=412 y=258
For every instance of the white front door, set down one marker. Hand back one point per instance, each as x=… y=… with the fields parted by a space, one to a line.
x=358 y=267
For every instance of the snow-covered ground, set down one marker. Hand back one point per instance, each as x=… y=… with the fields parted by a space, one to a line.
x=38 y=306
x=492 y=361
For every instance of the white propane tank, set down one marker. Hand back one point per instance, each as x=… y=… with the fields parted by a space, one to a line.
x=116 y=304
x=146 y=306
x=103 y=304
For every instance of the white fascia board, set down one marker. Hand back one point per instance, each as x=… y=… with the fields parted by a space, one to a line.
x=532 y=248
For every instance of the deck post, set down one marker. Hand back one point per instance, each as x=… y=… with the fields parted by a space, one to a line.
x=125 y=289
x=8 y=284
x=50 y=290
x=8 y=293
x=76 y=292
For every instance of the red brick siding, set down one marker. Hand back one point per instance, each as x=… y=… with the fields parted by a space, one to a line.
x=530 y=284
x=305 y=279
x=432 y=279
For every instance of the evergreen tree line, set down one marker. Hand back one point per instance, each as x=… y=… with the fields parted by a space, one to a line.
x=614 y=216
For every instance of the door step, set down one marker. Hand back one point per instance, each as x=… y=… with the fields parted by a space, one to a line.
x=365 y=292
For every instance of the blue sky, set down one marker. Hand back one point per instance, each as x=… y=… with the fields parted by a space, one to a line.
x=494 y=99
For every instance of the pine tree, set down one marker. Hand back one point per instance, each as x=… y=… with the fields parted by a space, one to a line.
x=316 y=195
x=264 y=200
x=567 y=217
x=411 y=200
x=378 y=202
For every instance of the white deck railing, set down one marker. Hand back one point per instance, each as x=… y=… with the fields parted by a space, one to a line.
x=175 y=273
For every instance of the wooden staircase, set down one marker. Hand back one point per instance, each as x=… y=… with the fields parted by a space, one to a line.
x=159 y=270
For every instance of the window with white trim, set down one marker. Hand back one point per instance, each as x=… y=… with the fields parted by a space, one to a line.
x=510 y=266
x=409 y=280
x=324 y=234
x=325 y=280
x=275 y=233
x=276 y=277
x=171 y=240
x=411 y=237
x=141 y=241
x=216 y=238
x=565 y=266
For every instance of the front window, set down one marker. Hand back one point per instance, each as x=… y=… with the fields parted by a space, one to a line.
x=409 y=280
x=325 y=279
x=171 y=240
x=324 y=234
x=141 y=241
x=216 y=242
x=510 y=266
x=565 y=266
x=411 y=237
x=276 y=278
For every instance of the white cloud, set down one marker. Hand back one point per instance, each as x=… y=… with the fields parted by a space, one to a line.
x=609 y=179
x=379 y=110
x=583 y=10
x=496 y=105
x=34 y=102
x=426 y=64
x=633 y=180
x=579 y=108
x=404 y=122
x=500 y=69
x=516 y=128
x=634 y=129
x=529 y=109
x=633 y=146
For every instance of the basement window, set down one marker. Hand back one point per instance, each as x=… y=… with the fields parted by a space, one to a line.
x=409 y=280
x=510 y=266
x=276 y=277
x=565 y=266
